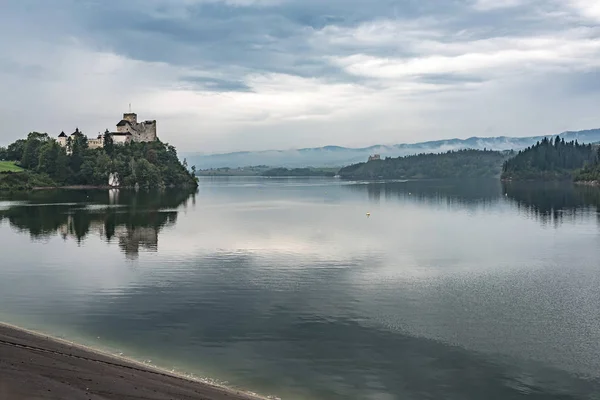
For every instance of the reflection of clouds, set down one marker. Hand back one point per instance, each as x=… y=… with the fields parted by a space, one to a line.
x=282 y=288
x=321 y=327
x=316 y=232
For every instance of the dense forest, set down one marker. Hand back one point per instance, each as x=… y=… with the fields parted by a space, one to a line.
x=550 y=160
x=591 y=172
x=46 y=163
x=453 y=164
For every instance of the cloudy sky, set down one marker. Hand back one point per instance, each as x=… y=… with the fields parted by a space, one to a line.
x=226 y=75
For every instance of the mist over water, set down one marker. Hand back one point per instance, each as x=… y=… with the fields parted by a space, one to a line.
x=455 y=290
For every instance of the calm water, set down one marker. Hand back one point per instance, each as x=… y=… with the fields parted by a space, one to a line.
x=469 y=290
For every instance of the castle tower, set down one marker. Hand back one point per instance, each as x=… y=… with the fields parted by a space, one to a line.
x=131 y=117
x=62 y=139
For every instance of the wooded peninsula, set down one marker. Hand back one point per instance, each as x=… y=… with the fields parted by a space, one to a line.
x=555 y=160
x=40 y=162
x=452 y=164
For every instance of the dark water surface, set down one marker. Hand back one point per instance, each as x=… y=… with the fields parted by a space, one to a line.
x=449 y=290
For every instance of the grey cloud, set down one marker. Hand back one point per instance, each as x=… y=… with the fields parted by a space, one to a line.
x=273 y=38
x=214 y=84
x=276 y=38
x=239 y=47
x=449 y=79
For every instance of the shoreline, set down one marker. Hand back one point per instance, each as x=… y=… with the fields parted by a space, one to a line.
x=103 y=187
x=77 y=187
x=587 y=183
x=33 y=364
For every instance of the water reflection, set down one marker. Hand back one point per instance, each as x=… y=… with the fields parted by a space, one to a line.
x=553 y=202
x=548 y=202
x=451 y=192
x=283 y=286
x=133 y=220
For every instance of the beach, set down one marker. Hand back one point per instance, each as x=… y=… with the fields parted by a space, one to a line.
x=34 y=367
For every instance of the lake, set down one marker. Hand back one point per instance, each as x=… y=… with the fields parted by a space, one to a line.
x=286 y=287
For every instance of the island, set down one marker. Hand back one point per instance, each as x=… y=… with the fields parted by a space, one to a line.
x=131 y=157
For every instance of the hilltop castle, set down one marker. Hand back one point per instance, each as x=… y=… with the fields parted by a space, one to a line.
x=128 y=130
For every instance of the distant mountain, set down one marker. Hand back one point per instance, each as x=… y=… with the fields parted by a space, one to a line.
x=336 y=156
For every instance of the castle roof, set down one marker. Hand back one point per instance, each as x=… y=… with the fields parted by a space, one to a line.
x=77 y=132
x=62 y=134
x=123 y=122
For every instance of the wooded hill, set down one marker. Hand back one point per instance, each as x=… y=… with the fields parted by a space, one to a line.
x=46 y=163
x=551 y=160
x=452 y=164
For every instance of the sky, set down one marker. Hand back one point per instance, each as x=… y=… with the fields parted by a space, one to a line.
x=231 y=75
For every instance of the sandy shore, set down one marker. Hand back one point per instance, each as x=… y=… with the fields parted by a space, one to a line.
x=35 y=367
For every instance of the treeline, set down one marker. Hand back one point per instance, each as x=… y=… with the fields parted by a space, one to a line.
x=299 y=172
x=147 y=165
x=550 y=160
x=590 y=172
x=452 y=164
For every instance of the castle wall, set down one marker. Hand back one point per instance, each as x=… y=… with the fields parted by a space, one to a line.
x=144 y=132
x=121 y=139
x=95 y=143
x=140 y=132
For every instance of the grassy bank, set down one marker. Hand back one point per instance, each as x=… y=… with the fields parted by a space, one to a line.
x=9 y=166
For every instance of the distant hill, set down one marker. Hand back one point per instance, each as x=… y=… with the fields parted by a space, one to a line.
x=452 y=164
x=332 y=156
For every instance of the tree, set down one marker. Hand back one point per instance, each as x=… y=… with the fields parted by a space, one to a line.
x=48 y=159
x=15 y=150
x=3 y=154
x=31 y=152
x=62 y=166
x=151 y=156
x=147 y=174
x=41 y=137
x=194 y=170
x=53 y=162
x=109 y=144
x=79 y=146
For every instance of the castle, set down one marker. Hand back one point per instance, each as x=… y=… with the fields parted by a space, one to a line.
x=128 y=130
